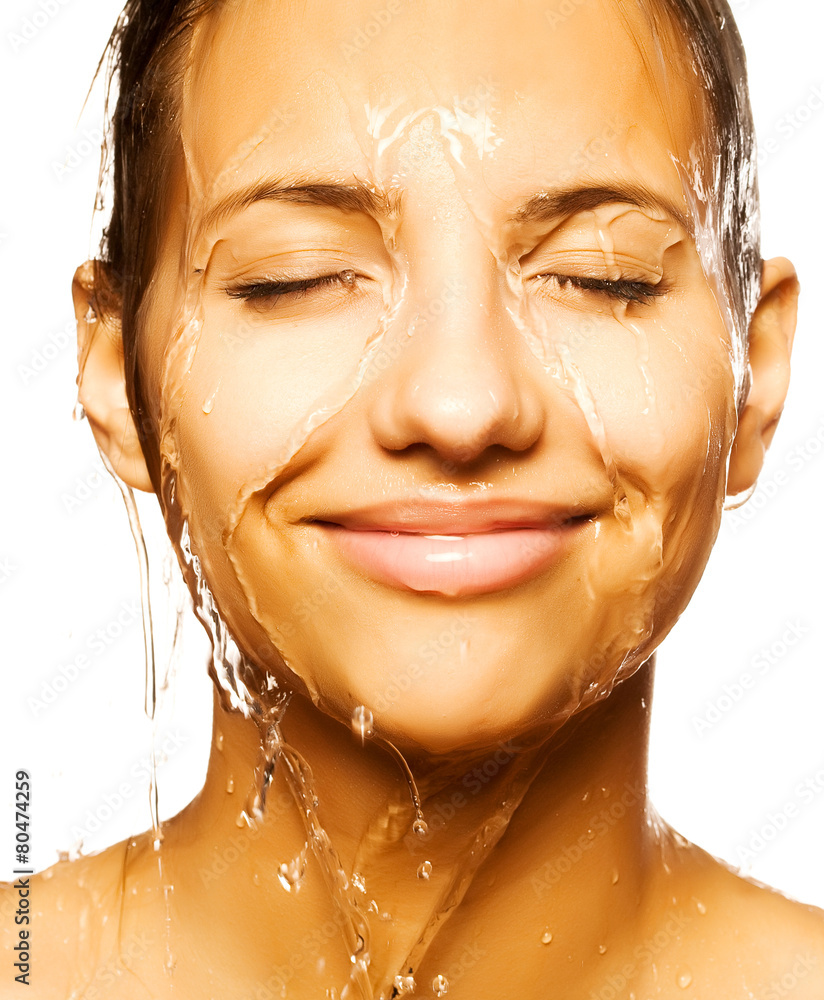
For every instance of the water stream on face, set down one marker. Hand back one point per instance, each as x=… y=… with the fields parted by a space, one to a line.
x=246 y=689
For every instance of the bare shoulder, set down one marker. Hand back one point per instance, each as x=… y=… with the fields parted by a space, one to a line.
x=70 y=914
x=780 y=936
x=773 y=945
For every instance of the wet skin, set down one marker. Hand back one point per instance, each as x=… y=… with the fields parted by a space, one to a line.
x=549 y=378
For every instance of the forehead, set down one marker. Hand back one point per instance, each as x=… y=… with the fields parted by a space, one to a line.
x=520 y=94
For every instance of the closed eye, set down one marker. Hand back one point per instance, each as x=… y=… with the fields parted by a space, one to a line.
x=270 y=291
x=623 y=290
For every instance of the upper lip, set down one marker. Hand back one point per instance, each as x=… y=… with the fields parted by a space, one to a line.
x=442 y=517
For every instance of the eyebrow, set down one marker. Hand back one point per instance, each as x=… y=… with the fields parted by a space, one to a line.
x=352 y=197
x=369 y=200
x=567 y=202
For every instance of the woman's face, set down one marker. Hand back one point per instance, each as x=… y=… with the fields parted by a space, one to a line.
x=473 y=475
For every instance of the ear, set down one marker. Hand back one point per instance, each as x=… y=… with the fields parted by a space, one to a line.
x=102 y=382
x=770 y=343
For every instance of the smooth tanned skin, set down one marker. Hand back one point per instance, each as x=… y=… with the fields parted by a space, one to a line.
x=472 y=399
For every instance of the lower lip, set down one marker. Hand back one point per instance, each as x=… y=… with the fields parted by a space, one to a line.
x=456 y=566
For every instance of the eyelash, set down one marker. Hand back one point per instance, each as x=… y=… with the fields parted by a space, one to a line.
x=624 y=291
x=639 y=292
x=260 y=291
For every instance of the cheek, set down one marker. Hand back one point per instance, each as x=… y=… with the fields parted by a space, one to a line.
x=659 y=398
x=248 y=400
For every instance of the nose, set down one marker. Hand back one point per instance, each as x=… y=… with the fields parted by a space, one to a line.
x=465 y=379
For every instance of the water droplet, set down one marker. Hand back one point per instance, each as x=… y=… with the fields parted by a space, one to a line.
x=700 y=907
x=208 y=405
x=362 y=722
x=684 y=979
x=602 y=949
x=420 y=827
x=230 y=785
x=359 y=882
x=585 y=798
x=615 y=876
x=424 y=869
x=404 y=985
x=386 y=917
x=440 y=986
x=290 y=873
x=348 y=277
x=546 y=937
x=219 y=740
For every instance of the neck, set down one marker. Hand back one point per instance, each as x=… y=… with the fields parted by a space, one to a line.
x=552 y=831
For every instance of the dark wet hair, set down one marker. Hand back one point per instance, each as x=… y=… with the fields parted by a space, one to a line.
x=146 y=56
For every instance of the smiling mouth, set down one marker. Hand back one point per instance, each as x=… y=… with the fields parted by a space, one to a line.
x=458 y=563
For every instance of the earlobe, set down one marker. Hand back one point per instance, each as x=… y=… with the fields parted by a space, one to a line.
x=770 y=343
x=102 y=382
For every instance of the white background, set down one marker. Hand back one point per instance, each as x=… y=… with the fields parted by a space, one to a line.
x=67 y=561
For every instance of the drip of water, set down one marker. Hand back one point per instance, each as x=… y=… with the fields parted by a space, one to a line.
x=483 y=843
x=419 y=825
x=362 y=723
x=424 y=869
x=363 y=726
x=354 y=925
x=291 y=873
x=684 y=979
x=546 y=937
x=403 y=986
x=150 y=700
x=440 y=986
